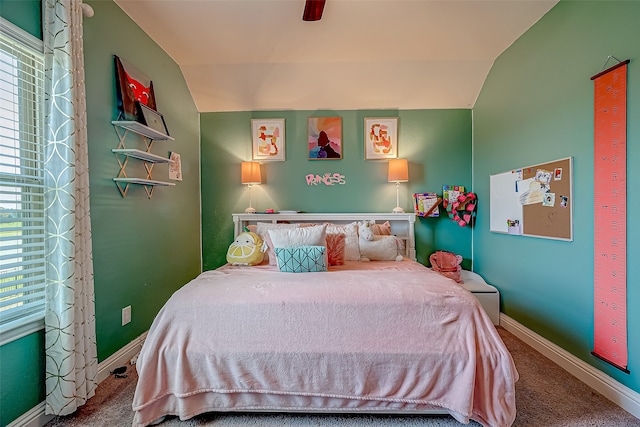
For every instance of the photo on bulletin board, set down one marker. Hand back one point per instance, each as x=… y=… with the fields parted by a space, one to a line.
x=534 y=201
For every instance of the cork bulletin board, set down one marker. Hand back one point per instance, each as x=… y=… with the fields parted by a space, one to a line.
x=535 y=201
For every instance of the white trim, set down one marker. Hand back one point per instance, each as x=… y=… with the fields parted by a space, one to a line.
x=473 y=188
x=36 y=417
x=17 y=33
x=25 y=326
x=121 y=357
x=616 y=392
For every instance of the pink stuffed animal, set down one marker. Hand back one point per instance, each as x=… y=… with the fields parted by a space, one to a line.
x=447 y=264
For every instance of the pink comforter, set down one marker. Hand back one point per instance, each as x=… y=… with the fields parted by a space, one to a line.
x=379 y=336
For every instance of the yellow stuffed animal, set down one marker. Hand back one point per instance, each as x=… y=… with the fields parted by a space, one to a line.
x=246 y=249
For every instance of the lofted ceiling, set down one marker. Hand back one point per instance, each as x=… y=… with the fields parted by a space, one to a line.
x=245 y=55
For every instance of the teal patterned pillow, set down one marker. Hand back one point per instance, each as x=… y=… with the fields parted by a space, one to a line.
x=301 y=259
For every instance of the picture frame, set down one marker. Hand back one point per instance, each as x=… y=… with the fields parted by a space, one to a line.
x=132 y=87
x=380 y=138
x=268 y=139
x=324 y=138
x=151 y=118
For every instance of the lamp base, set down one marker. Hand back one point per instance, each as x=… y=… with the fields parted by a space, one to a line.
x=250 y=210
x=397 y=209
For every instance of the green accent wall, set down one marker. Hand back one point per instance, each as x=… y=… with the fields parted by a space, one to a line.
x=535 y=106
x=437 y=144
x=26 y=14
x=143 y=249
x=21 y=380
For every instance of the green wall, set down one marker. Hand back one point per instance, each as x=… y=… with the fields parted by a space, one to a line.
x=26 y=14
x=437 y=144
x=535 y=106
x=143 y=249
x=21 y=379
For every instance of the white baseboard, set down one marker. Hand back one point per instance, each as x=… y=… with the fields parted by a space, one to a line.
x=618 y=393
x=120 y=358
x=36 y=417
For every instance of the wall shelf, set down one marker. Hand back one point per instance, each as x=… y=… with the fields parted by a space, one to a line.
x=143 y=181
x=141 y=129
x=141 y=155
x=149 y=159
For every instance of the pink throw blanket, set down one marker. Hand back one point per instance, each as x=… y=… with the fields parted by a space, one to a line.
x=379 y=336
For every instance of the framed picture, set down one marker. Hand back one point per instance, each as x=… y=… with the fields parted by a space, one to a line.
x=324 y=138
x=132 y=87
x=151 y=118
x=380 y=138
x=267 y=136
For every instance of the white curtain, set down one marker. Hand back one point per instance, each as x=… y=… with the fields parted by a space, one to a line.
x=70 y=338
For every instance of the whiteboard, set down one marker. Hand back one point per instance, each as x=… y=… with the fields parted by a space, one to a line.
x=504 y=200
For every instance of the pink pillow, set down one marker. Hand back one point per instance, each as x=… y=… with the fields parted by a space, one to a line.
x=351 y=245
x=335 y=248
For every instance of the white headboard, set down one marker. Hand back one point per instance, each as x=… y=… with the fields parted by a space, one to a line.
x=402 y=224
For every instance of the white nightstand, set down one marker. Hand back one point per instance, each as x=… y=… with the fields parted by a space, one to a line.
x=488 y=295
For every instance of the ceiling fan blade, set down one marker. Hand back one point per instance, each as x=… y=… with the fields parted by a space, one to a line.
x=313 y=10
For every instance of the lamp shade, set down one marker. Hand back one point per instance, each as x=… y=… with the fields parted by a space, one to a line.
x=251 y=173
x=398 y=170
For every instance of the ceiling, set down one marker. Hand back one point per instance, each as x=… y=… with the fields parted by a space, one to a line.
x=245 y=55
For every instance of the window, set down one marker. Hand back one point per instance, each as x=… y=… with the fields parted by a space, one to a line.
x=22 y=218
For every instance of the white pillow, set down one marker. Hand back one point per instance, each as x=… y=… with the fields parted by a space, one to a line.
x=262 y=230
x=302 y=236
x=351 y=246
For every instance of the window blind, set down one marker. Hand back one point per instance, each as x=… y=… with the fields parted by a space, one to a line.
x=22 y=210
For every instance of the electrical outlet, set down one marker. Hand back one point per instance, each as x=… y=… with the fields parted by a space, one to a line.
x=126 y=315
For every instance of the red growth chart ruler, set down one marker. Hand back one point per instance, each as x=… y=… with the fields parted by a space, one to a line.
x=610 y=225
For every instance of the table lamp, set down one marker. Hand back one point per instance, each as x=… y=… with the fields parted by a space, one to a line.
x=398 y=172
x=250 y=177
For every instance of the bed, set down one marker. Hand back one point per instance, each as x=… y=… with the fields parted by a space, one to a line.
x=375 y=337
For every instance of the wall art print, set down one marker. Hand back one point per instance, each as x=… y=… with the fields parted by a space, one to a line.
x=175 y=166
x=132 y=86
x=324 y=138
x=380 y=138
x=268 y=139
